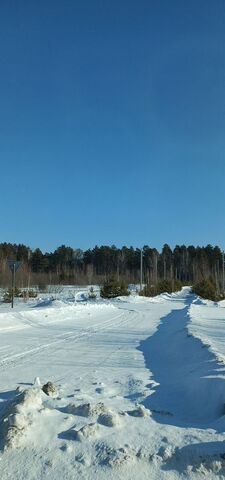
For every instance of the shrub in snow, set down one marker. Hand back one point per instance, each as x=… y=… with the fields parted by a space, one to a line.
x=7 y=297
x=163 y=286
x=31 y=293
x=113 y=288
x=207 y=289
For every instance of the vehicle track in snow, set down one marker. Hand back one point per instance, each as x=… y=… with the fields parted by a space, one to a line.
x=115 y=321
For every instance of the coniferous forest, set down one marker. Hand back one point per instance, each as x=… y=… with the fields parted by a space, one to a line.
x=66 y=265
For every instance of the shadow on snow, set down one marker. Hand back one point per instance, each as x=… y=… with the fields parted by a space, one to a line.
x=190 y=384
x=196 y=455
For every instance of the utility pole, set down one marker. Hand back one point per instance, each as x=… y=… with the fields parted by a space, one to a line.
x=28 y=278
x=141 y=269
x=223 y=271
x=13 y=265
x=13 y=283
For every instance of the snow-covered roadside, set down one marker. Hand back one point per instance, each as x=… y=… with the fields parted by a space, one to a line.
x=207 y=322
x=130 y=401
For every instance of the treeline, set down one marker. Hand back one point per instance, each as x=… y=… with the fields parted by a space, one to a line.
x=67 y=265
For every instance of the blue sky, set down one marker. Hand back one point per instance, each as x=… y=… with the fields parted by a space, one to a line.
x=112 y=122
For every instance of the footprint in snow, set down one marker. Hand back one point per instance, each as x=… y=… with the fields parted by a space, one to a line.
x=99 y=390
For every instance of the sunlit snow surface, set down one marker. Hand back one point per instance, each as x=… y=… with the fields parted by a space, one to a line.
x=140 y=388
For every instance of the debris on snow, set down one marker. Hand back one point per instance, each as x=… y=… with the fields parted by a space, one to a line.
x=49 y=389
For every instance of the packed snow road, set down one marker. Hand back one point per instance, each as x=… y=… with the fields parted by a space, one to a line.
x=140 y=389
x=68 y=341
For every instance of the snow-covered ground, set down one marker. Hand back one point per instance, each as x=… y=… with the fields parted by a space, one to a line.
x=140 y=388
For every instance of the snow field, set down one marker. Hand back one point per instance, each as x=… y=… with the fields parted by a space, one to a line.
x=138 y=394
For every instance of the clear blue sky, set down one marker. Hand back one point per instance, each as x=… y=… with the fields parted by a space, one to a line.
x=112 y=122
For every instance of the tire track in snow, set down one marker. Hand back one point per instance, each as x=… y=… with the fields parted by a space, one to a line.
x=66 y=337
x=131 y=315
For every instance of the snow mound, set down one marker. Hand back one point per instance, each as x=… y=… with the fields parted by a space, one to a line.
x=19 y=413
x=139 y=411
x=86 y=409
x=86 y=431
x=109 y=419
x=205 y=459
x=37 y=382
x=208 y=466
x=115 y=457
x=98 y=411
x=166 y=452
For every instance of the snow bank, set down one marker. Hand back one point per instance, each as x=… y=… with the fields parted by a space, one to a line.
x=18 y=415
x=207 y=322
